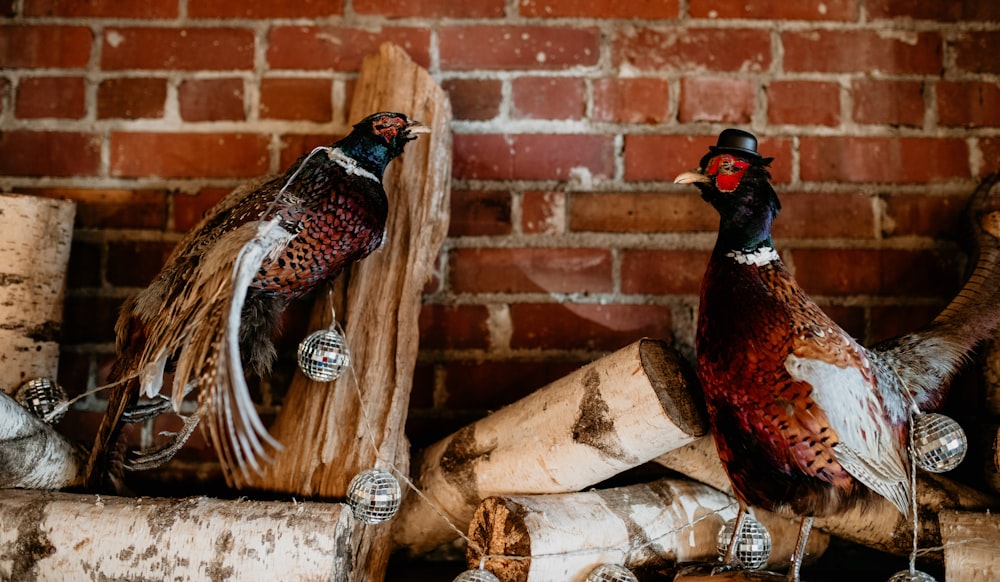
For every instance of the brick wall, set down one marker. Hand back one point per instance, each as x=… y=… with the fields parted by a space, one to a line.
x=567 y=237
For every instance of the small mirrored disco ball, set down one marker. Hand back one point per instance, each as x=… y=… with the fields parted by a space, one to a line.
x=754 y=547
x=477 y=575
x=323 y=355
x=939 y=443
x=611 y=573
x=914 y=576
x=40 y=397
x=374 y=495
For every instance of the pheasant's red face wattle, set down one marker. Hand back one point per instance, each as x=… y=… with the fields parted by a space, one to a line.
x=727 y=171
x=388 y=126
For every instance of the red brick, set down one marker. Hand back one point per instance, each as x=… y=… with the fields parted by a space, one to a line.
x=895 y=320
x=861 y=51
x=187 y=49
x=693 y=49
x=101 y=8
x=136 y=263
x=530 y=270
x=922 y=215
x=498 y=384
x=49 y=153
x=632 y=100
x=296 y=99
x=431 y=8
x=888 y=102
x=547 y=98
x=89 y=319
x=976 y=51
x=773 y=10
x=340 y=48
x=454 y=327
x=716 y=99
x=264 y=8
x=816 y=215
x=981 y=10
x=804 y=103
x=113 y=208
x=663 y=157
x=297 y=145
x=188 y=155
x=904 y=160
x=990 y=149
x=479 y=213
x=8 y=8
x=131 y=98
x=603 y=9
x=57 y=97
x=543 y=212
x=189 y=209
x=663 y=272
x=211 y=100
x=474 y=99
x=640 y=212
x=586 y=326
x=84 y=269
x=851 y=319
x=61 y=47
x=517 y=47
x=842 y=271
x=968 y=103
x=531 y=156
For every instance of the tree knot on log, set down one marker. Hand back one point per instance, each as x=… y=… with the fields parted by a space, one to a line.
x=595 y=426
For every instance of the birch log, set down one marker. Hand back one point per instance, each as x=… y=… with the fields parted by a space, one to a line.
x=329 y=434
x=880 y=525
x=32 y=454
x=35 y=236
x=613 y=414
x=971 y=546
x=650 y=527
x=60 y=536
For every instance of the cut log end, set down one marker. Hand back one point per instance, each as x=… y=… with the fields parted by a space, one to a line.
x=498 y=531
x=676 y=384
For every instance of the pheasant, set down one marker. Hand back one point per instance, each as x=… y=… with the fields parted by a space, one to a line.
x=216 y=304
x=807 y=421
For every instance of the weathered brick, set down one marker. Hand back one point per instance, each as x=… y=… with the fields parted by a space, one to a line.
x=889 y=321
x=976 y=51
x=187 y=49
x=190 y=208
x=814 y=215
x=586 y=326
x=517 y=47
x=531 y=156
x=530 y=270
x=56 y=97
x=474 y=99
x=851 y=319
x=804 y=103
x=296 y=99
x=990 y=149
x=136 y=263
x=211 y=99
x=604 y=9
x=73 y=372
x=678 y=48
x=49 y=153
x=264 y=9
x=888 y=102
x=186 y=155
x=454 y=327
x=916 y=273
x=479 y=213
x=89 y=319
x=547 y=98
x=843 y=10
x=640 y=212
x=904 y=160
x=970 y=103
x=632 y=100
x=663 y=157
x=716 y=99
x=340 y=48
x=431 y=8
x=62 y=47
x=981 y=10
x=862 y=51
x=131 y=98
x=108 y=208
x=498 y=384
x=662 y=272
x=150 y=9
x=294 y=146
x=543 y=212
x=921 y=215
x=84 y=268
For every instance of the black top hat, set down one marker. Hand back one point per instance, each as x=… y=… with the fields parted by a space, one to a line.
x=733 y=141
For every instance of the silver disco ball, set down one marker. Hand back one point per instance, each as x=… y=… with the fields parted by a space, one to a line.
x=323 y=355
x=754 y=547
x=914 y=576
x=939 y=443
x=40 y=397
x=478 y=575
x=374 y=495
x=611 y=573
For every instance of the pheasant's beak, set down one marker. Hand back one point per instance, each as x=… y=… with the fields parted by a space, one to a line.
x=414 y=127
x=692 y=177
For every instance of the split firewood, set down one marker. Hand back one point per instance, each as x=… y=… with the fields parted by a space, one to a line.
x=62 y=536
x=32 y=454
x=650 y=527
x=971 y=546
x=611 y=415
